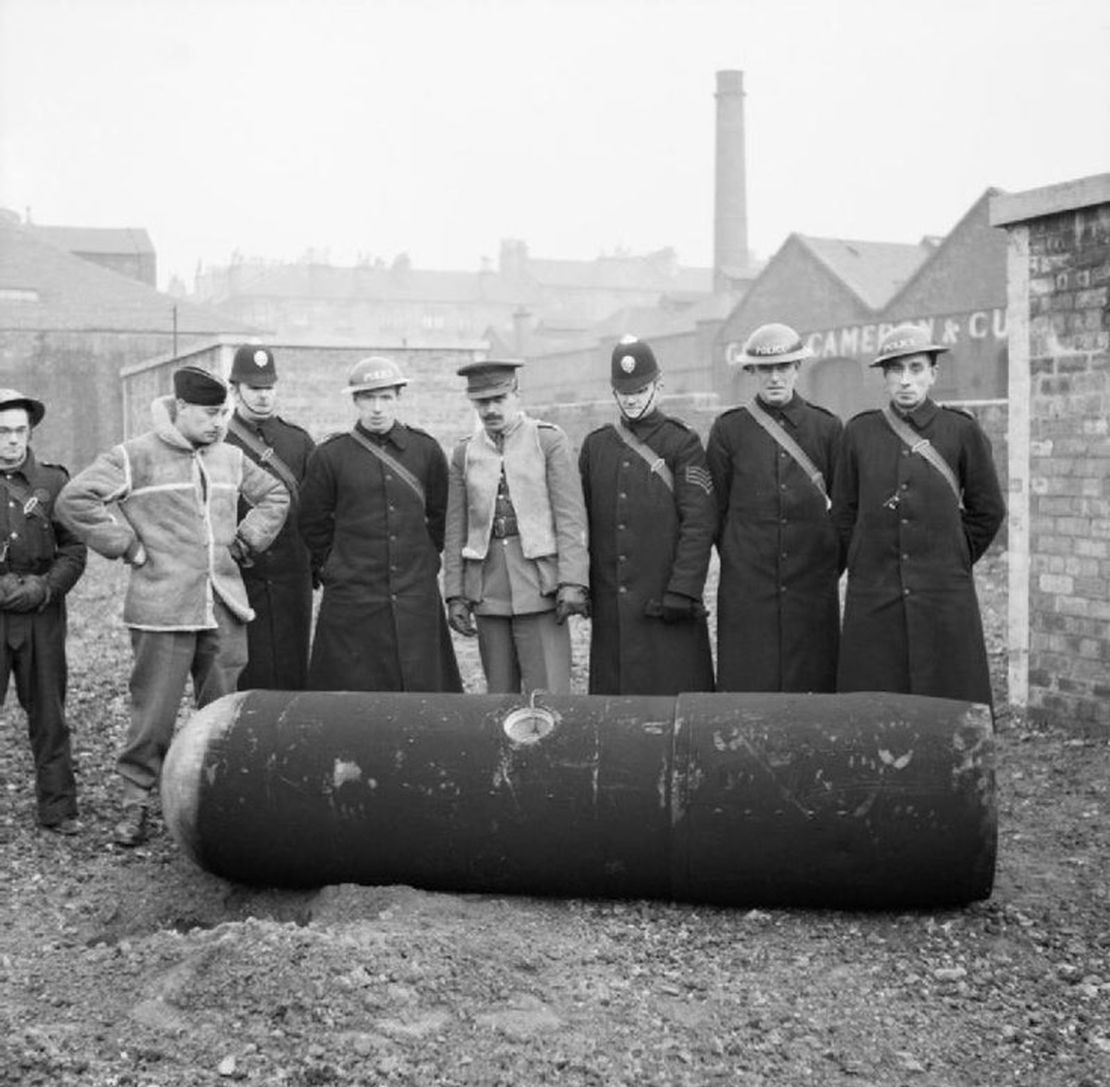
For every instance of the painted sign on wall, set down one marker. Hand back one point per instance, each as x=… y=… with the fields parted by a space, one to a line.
x=862 y=341
x=949 y=331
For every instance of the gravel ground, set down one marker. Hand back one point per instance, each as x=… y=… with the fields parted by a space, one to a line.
x=135 y=968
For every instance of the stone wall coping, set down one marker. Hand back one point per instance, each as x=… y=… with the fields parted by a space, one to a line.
x=693 y=399
x=987 y=402
x=1017 y=207
x=279 y=345
x=191 y=349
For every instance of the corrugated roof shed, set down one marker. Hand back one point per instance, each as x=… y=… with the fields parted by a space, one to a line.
x=875 y=271
x=95 y=239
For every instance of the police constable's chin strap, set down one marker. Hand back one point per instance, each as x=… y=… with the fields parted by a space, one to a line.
x=648 y=407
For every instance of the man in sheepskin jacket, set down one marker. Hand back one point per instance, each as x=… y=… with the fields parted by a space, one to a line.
x=177 y=489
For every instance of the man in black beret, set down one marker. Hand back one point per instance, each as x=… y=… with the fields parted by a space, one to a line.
x=279 y=580
x=177 y=488
x=40 y=561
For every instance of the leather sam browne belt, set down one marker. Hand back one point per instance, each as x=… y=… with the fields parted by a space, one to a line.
x=505 y=525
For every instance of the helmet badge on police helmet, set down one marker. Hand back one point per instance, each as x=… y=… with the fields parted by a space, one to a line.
x=627 y=362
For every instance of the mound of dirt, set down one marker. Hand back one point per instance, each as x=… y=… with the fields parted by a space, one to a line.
x=135 y=968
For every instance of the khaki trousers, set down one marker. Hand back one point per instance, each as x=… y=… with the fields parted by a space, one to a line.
x=524 y=653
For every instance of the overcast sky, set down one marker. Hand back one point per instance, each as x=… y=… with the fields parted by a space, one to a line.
x=437 y=128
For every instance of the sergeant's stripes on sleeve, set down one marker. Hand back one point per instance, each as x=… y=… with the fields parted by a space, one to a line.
x=699 y=477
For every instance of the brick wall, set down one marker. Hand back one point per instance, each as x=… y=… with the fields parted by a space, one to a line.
x=1060 y=461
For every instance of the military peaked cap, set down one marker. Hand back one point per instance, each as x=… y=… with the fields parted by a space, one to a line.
x=489 y=378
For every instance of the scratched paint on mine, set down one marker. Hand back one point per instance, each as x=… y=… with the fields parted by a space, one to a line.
x=899 y=762
x=344 y=771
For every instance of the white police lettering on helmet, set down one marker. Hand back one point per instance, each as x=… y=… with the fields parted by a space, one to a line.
x=772 y=348
x=896 y=345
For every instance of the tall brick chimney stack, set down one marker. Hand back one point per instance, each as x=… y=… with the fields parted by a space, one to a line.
x=730 y=213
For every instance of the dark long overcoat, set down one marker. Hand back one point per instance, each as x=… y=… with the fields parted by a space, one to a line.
x=911 y=617
x=279 y=581
x=778 y=610
x=645 y=541
x=376 y=548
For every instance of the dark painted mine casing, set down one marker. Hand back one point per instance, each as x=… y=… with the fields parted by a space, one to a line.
x=854 y=800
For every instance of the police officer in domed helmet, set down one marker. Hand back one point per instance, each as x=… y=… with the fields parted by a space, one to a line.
x=279 y=579
x=372 y=514
x=773 y=465
x=916 y=503
x=652 y=519
x=40 y=561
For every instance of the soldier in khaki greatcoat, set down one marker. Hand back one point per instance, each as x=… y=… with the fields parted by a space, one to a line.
x=515 y=553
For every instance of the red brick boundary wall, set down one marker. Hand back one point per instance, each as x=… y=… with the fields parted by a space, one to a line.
x=1059 y=448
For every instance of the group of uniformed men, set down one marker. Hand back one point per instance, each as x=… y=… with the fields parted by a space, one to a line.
x=228 y=523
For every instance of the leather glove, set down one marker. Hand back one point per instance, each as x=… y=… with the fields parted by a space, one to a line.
x=677 y=608
x=460 y=616
x=571 y=600
x=30 y=594
x=9 y=586
x=240 y=552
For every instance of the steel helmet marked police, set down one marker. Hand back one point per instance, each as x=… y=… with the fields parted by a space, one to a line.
x=36 y=409
x=906 y=340
x=632 y=365
x=373 y=373
x=772 y=344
